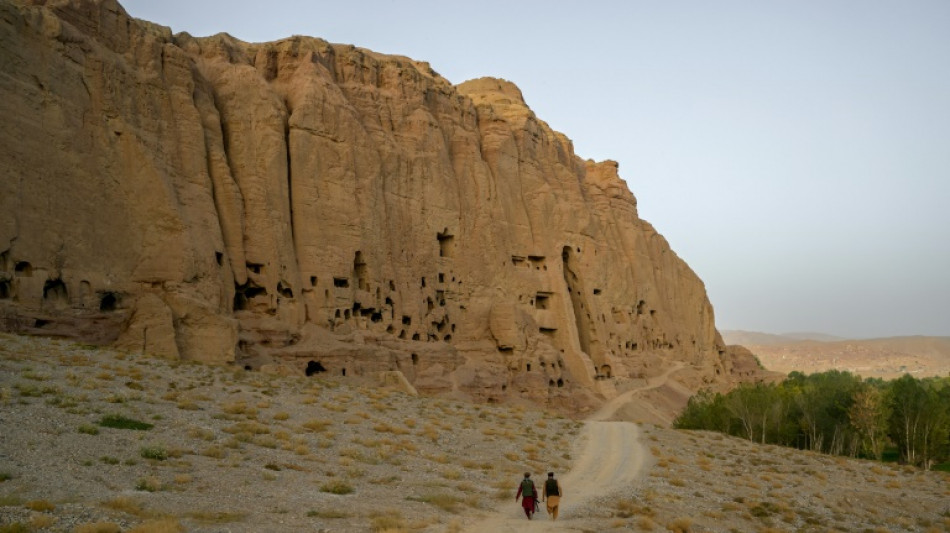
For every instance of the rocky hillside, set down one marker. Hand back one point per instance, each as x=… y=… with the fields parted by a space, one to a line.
x=887 y=358
x=300 y=206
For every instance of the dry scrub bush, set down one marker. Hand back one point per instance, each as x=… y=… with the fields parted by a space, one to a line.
x=98 y=527
x=164 y=525
x=336 y=486
x=216 y=517
x=680 y=525
x=201 y=433
x=329 y=513
x=41 y=521
x=125 y=504
x=215 y=452
x=644 y=523
x=317 y=426
x=149 y=484
x=446 y=502
x=40 y=506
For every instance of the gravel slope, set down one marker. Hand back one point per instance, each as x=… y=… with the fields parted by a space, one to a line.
x=238 y=451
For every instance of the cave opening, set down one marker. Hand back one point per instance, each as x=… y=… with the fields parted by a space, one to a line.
x=542 y=300
x=315 y=367
x=359 y=270
x=54 y=291
x=108 y=302
x=243 y=294
x=23 y=268
x=446 y=243
x=284 y=290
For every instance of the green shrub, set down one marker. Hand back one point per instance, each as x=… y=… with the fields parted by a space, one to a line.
x=89 y=429
x=158 y=453
x=122 y=422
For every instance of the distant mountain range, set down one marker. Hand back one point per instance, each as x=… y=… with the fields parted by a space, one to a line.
x=816 y=352
x=757 y=338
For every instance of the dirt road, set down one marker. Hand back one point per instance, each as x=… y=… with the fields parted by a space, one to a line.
x=610 y=456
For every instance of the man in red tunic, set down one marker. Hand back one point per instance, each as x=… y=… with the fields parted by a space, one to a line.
x=528 y=495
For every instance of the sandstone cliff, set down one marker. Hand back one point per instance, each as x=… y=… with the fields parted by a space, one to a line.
x=310 y=206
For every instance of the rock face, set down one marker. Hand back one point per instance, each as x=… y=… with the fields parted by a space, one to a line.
x=324 y=208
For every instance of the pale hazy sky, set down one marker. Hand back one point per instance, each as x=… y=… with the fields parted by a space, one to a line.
x=795 y=153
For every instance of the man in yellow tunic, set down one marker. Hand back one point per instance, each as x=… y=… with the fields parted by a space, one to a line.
x=552 y=495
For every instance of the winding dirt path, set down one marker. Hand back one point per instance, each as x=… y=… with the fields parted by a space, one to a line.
x=611 y=457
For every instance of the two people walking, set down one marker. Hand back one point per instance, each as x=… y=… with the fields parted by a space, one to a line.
x=529 y=495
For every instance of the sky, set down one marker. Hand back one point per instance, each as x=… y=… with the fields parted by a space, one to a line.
x=796 y=154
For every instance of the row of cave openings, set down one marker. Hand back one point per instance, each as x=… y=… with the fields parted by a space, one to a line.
x=55 y=291
x=317 y=367
x=344 y=288
x=559 y=382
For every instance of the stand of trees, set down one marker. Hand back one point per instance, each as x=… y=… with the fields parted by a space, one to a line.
x=836 y=413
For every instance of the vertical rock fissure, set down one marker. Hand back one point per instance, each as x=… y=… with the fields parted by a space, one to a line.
x=574 y=289
x=290 y=186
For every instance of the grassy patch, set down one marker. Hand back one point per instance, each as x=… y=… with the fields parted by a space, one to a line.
x=89 y=429
x=122 y=422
